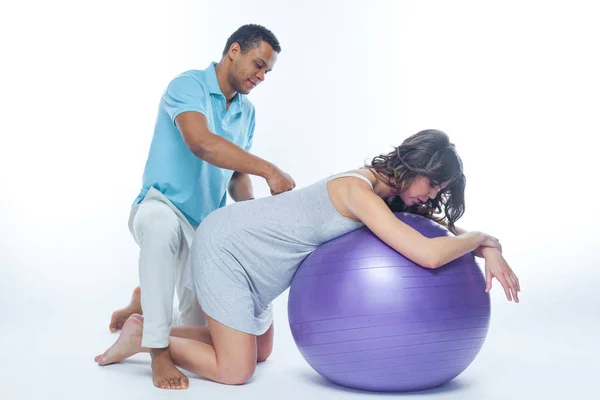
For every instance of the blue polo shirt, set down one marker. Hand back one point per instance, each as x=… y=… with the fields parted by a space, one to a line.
x=194 y=186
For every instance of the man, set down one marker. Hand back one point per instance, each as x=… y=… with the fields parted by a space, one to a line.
x=199 y=151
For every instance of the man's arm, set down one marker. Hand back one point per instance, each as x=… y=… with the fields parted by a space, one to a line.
x=222 y=153
x=217 y=150
x=240 y=187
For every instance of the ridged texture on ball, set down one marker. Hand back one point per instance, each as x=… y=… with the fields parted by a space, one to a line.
x=365 y=317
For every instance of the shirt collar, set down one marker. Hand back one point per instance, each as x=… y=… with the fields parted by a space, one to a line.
x=213 y=83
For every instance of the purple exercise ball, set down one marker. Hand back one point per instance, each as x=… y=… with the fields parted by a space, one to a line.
x=365 y=317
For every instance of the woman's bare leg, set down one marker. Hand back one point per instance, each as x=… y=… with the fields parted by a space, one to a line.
x=200 y=333
x=264 y=343
x=230 y=360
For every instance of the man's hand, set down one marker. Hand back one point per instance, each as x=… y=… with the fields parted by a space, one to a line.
x=280 y=182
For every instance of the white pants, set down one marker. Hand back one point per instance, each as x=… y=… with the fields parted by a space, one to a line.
x=164 y=236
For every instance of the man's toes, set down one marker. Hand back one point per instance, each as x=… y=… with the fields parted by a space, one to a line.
x=181 y=383
x=184 y=382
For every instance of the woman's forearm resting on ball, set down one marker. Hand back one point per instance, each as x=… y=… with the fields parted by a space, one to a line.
x=427 y=252
x=448 y=248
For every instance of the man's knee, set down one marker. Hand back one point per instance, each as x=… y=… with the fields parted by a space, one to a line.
x=156 y=224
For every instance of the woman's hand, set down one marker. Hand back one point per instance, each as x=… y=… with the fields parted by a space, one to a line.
x=497 y=267
x=488 y=242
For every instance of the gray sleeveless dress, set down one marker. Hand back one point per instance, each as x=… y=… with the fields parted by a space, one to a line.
x=244 y=255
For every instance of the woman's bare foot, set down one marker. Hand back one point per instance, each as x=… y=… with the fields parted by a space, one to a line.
x=138 y=317
x=164 y=373
x=120 y=316
x=128 y=343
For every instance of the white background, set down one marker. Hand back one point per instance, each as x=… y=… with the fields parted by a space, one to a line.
x=514 y=83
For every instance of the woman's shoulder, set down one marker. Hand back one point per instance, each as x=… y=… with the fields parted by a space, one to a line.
x=362 y=174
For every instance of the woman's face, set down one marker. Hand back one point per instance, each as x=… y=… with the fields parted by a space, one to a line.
x=420 y=191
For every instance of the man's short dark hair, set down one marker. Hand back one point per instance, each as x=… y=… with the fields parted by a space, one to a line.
x=249 y=36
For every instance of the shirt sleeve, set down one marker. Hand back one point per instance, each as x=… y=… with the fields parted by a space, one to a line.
x=184 y=93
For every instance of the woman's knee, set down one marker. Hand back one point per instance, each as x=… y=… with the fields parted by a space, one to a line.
x=264 y=345
x=236 y=353
x=263 y=352
x=238 y=374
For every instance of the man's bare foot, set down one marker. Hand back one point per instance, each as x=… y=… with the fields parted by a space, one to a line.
x=128 y=343
x=164 y=373
x=120 y=316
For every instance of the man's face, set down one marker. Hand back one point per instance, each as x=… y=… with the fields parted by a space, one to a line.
x=249 y=69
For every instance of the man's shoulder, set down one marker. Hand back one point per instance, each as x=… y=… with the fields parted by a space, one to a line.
x=190 y=77
x=193 y=73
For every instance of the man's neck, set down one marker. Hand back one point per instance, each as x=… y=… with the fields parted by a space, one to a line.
x=226 y=89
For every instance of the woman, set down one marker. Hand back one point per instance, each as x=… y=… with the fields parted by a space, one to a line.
x=245 y=255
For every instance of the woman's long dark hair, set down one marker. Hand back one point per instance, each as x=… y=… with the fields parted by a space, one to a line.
x=428 y=153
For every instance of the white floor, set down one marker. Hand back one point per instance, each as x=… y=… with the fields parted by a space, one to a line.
x=538 y=349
